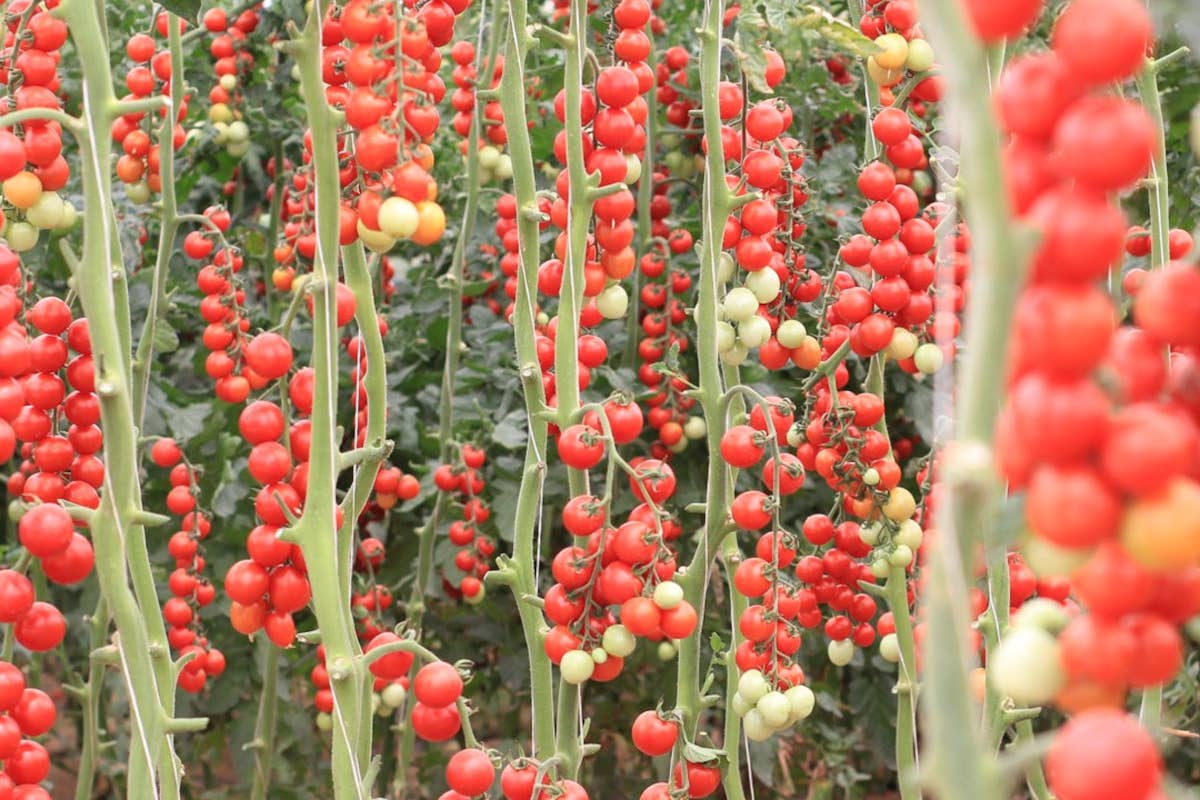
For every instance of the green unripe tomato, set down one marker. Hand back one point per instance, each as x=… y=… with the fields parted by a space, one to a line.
x=666 y=651
x=238 y=149
x=324 y=722
x=726 y=336
x=138 y=192
x=802 y=700
x=725 y=268
x=871 y=477
x=889 y=648
x=753 y=685
x=488 y=156
x=504 y=169
x=47 y=212
x=239 y=131
x=870 y=533
x=920 y=55
x=1027 y=666
x=740 y=706
x=667 y=595
x=795 y=435
x=618 y=641
x=909 y=534
x=756 y=728
x=1048 y=559
x=774 y=708
x=903 y=344
x=764 y=283
x=921 y=182
x=695 y=428
x=599 y=655
x=228 y=82
x=69 y=218
x=928 y=358
x=880 y=568
x=398 y=217
x=841 y=653
x=22 y=236
x=633 y=168
x=1042 y=613
x=1195 y=132
x=740 y=304
x=736 y=355
x=393 y=695
x=754 y=332
x=613 y=302
x=902 y=556
x=577 y=667
x=791 y=333
x=375 y=241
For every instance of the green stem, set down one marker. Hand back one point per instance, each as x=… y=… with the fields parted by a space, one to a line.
x=907 y=767
x=168 y=228
x=520 y=570
x=569 y=747
x=958 y=761
x=731 y=555
x=1160 y=188
x=118 y=537
x=324 y=552
x=97 y=633
x=264 y=724
x=1035 y=777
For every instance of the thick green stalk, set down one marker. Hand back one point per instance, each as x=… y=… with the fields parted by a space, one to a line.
x=519 y=572
x=907 y=771
x=168 y=227
x=1159 y=181
x=731 y=555
x=716 y=204
x=264 y=723
x=90 y=701
x=117 y=529
x=316 y=531
x=959 y=762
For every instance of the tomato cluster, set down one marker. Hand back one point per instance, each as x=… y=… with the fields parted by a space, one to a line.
x=233 y=64
x=474 y=549
x=32 y=166
x=493 y=163
x=25 y=714
x=190 y=590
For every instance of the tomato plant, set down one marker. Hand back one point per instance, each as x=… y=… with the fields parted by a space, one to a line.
x=599 y=398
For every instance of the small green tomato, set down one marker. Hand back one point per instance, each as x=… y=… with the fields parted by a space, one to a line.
x=928 y=358
x=324 y=722
x=740 y=304
x=488 y=156
x=791 y=333
x=613 y=302
x=903 y=344
x=889 y=648
x=871 y=477
x=695 y=428
x=753 y=685
x=577 y=667
x=840 y=653
x=909 y=534
x=802 y=700
x=725 y=267
x=920 y=55
x=398 y=217
x=756 y=728
x=228 y=82
x=393 y=695
x=22 y=236
x=633 y=168
x=138 y=192
x=880 y=568
x=870 y=533
x=1043 y=613
x=504 y=169
x=754 y=332
x=774 y=708
x=726 y=337
x=666 y=651
x=599 y=655
x=902 y=556
x=47 y=212
x=667 y=595
x=764 y=283
x=618 y=641
x=1027 y=666
x=740 y=706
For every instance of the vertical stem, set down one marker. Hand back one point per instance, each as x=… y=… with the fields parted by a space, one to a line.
x=118 y=535
x=715 y=209
x=731 y=555
x=518 y=573
x=168 y=227
x=907 y=768
x=264 y=724
x=1160 y=189
x=316 y=531
x=959 y=762
x=86 y=776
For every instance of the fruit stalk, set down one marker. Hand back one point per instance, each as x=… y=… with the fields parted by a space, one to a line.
x=117 y=528
x=518 y=572
x=716 y=205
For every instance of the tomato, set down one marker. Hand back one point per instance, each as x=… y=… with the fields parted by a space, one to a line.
x=46 y=530
x=16 y=595
x=653 y=735
x=1103 y=754
x=437 y=685
x=42 y=628
x=470 y=772
x=1162 y=531
x=435 y=724
x=1125 y=28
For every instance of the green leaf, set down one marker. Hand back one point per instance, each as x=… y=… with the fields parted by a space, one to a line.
x=837 y=32
x=701 y=755
x=165 y=338
x=510 y=432
x=187 y=9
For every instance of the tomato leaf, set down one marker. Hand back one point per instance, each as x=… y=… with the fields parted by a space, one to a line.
x=701 y=755
x=185 y=9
